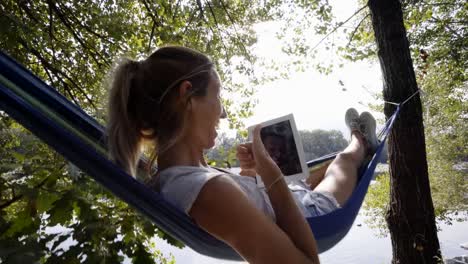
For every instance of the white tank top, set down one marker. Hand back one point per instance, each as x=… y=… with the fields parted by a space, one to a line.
x=180 y=185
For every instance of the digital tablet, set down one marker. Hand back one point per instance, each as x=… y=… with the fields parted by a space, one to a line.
x=282 y=142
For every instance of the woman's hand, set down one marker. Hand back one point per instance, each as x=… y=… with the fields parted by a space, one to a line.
x=254 y=158
x=245 y=156
x=264 y=164
x=248 y=230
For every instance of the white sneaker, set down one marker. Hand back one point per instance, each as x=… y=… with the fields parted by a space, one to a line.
x=367 y=127
x=352 y=119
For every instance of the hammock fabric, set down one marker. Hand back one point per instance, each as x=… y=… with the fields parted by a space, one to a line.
x=78 y=137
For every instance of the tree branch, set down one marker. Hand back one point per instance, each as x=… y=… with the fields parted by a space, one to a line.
x=22 y=5
x=77 y=20
x=192 y=15
x=151 y=36
x=10 y=202
x=438 y=20
x=67 y=24
x=51 y=33
x=235 y=29
x=176 y=10
x=337 y=27
x=156 y=22
x=356 y=29
x=56 y=72
x=200 y=7
x=151 y=13
x=52 y=81
x=20 y=196
x=217 y=27
x=66 y=89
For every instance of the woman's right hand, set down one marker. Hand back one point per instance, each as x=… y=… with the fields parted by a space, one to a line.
x=264 y=164
x=247 y=229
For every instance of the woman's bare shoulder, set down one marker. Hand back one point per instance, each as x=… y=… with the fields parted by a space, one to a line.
x=219 y=189
x=224 y=211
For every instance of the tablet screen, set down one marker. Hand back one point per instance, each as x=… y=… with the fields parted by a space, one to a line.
x=279 y=142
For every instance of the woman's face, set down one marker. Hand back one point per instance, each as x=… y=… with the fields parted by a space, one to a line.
x=204 y=115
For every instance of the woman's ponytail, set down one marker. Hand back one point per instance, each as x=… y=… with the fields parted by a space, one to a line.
x=124 y=139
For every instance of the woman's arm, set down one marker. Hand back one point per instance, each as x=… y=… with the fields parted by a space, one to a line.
x=288 y=216
x=290 y=219
x=223 y=210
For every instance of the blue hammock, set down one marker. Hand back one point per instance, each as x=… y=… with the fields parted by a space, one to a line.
x=78 y=137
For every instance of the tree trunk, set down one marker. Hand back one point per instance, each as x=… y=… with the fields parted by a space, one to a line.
x=410 y=217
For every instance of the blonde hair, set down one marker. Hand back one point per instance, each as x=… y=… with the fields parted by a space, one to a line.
x=141 y=105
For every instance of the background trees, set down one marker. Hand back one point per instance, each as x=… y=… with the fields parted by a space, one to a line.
x=318 y=143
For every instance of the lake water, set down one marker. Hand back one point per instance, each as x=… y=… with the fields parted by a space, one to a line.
x=362 y=245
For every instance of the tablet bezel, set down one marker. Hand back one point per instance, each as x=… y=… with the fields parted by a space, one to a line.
x=297 y=141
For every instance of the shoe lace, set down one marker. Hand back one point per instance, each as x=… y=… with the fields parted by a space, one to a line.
x=363 y=129
x=354 y=124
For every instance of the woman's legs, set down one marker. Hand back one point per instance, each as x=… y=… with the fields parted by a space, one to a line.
x=316 y=176
x=342 y=174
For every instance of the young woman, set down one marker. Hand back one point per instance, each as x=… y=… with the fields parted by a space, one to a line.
x=172 y=100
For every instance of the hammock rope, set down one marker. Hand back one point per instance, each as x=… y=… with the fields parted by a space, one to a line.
x=405 y=101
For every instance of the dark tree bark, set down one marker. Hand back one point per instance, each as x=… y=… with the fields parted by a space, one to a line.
x=410 y=217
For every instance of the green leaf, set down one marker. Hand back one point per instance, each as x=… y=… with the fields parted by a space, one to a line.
x=142 y=256
x=149 y=228
x=22 y=221
x=18 y=156
x=45 y=200
x=61 y=211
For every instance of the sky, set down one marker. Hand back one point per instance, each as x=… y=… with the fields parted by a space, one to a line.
x=317 y=101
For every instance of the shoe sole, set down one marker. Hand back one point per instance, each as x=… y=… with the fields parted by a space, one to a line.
x=369 y=122
x=351 y=116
